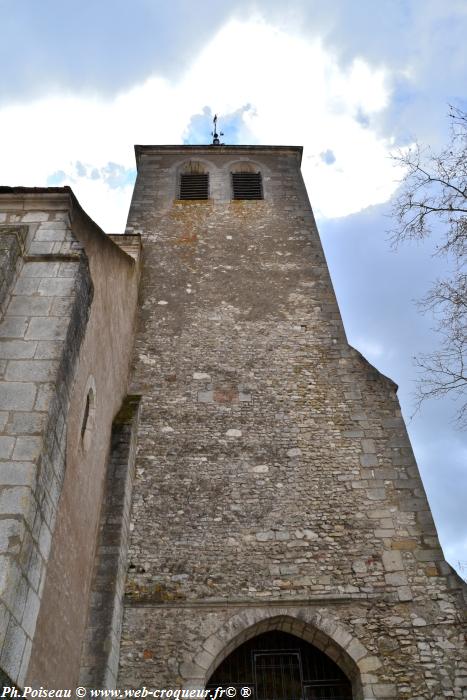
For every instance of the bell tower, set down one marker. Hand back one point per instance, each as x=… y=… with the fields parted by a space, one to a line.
x=281 y=539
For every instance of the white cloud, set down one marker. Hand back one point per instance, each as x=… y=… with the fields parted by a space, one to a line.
x=371 y=349
x=298 y=92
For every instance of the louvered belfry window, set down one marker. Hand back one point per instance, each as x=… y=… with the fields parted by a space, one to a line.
x=194 y=186
x=247 y=186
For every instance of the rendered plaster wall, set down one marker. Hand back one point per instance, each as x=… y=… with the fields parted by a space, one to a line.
x=273 y=468
x=101 y=648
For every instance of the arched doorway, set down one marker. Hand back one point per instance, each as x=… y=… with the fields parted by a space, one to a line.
x=280 y=666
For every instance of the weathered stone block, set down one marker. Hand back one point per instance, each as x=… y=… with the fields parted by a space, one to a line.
x=41 y=248
x=368 y=460
x=11 y=533
x=14 y=500
x=35 y=568
x=34 y=216
x=40 y=269
x=206 y=396
x=62 y=306
x=392 y=561
x=385 y=690
x=17 y=349
x=26 y=423
x=48 y=349
x=396 y=579
x=31 y=370
x=26 y=285
x=6 y=446
x=24 y=663
x=429 y=555
x=51 y=234
x=28 y=306
x=68 y=269
x=13 y=648
x=43 y=328
x=31 y=612
x=405 y=593
x=56 y=286
x=27 y=448
x=17 y=396
x=45 y=539
x=356 y=650
x=369 y=663
x=4 y=621
x=17 y=474
x=13 y=327
x=368 y=446
x=45 y=393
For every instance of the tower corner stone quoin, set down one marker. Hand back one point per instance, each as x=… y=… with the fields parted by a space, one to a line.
x=198 y=473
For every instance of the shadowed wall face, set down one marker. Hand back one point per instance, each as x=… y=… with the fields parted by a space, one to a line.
x=273 y=467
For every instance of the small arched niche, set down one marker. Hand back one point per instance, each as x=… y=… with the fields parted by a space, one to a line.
x=277 y=665
x=88 y=415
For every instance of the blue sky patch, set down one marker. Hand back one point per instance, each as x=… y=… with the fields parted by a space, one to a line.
x=232 y=125
x=328 y=157
x=56 y=179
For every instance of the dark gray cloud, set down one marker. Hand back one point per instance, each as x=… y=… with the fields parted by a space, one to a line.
x=107 y=46
x=422 y=45
x=99 y=46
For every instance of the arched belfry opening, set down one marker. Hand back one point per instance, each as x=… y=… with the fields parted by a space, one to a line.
x=277 y=665
x=193 y=181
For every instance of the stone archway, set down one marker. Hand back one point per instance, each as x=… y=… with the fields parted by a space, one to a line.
x=280 y=665
x=316 y=627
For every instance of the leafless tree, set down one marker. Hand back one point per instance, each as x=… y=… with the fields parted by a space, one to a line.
x=434 y=194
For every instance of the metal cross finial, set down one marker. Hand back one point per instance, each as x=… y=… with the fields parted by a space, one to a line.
x=214 y=134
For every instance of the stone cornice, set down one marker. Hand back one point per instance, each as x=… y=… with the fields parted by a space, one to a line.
x=36 y=198
x=265 y=602
x=216 y=150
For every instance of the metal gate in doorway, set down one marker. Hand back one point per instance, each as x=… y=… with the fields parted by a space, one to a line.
x=280 y=666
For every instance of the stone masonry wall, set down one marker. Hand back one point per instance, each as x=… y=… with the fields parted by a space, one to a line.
x=100 y=385
x=65 y=347
x=275 y=479
x=12 y=243
x=40 y=334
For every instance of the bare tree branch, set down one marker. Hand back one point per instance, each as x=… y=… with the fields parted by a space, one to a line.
x=434 y=189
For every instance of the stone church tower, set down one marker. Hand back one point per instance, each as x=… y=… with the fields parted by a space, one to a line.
x=276 y=488
x=241 y=508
